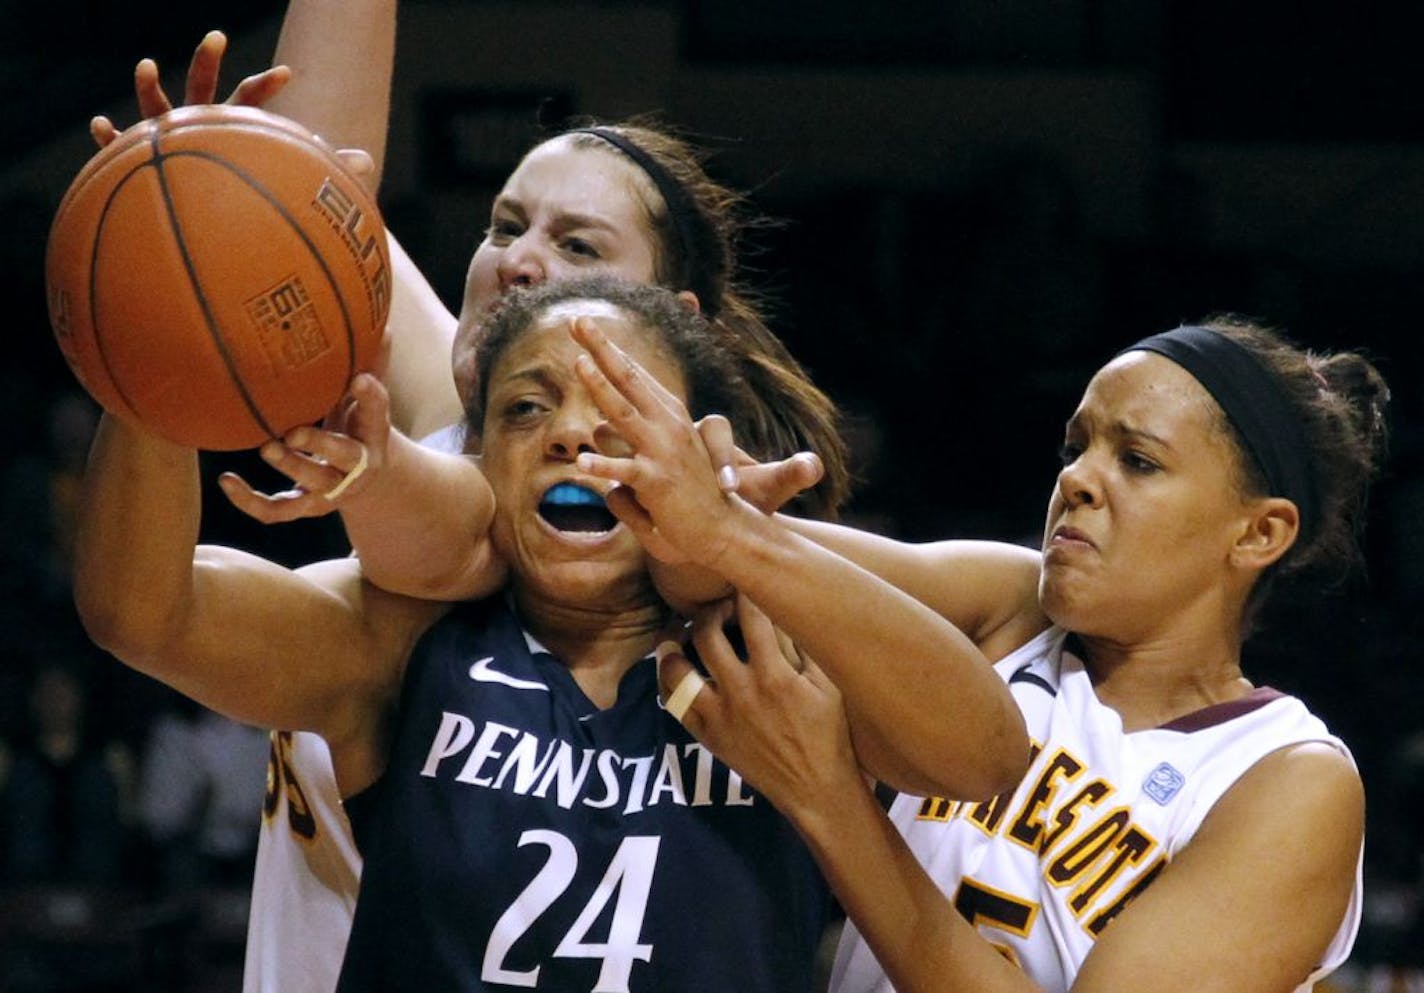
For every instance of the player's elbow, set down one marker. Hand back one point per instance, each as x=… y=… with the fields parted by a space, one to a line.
x=997 y=740
x=1009 y=753
x=133 y=628
x=992 y=760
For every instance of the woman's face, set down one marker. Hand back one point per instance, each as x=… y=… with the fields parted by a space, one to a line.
x=565 y=211
x=1147 y=507
x=550 y=523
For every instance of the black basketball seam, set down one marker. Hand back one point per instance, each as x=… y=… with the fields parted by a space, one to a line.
x=258 y=188
x=93 y=290
x=257 y=125
x=338 y=166
x=213 y=331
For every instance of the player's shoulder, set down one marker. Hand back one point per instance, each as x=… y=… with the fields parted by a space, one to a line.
x=1310 y=786
x=389 y=623
x=1313 y=768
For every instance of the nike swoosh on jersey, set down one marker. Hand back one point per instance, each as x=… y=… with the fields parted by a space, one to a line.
x=481 y=672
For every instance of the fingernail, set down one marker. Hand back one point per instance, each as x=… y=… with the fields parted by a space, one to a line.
x=665 y=649
x=272 y=451
x=727 y=476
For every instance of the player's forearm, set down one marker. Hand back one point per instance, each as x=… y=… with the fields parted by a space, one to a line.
x=422 y=527
x=421 y=332
x=929 y=713
x=137 y=532
x=920 y=940
x=341 y=53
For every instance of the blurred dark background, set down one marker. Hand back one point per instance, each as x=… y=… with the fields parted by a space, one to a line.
x=978 y=202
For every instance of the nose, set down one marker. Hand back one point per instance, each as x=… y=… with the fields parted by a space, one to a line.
x=575 y=429
x=521 y=263
x=1078 y=483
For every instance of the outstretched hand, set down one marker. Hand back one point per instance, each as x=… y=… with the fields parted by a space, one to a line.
x=668 y=492
x=678 y=482
x=774 y=716
x=201 y=86
x=329 y=465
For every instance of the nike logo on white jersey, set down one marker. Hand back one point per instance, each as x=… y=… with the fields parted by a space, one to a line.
x=481 y=672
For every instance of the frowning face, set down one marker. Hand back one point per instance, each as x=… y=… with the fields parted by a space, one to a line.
x=1148 y=504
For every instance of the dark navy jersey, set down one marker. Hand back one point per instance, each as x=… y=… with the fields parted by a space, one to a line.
x=522 y=839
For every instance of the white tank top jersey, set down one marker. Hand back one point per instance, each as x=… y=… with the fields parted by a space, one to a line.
x=308 y=868
x=1044 y=869
x=306 y=875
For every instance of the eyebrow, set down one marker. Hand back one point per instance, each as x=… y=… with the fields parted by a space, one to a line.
x=540 y=375
x=566 y=219
x=1119 y=429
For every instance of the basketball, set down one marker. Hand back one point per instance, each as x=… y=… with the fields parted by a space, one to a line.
x=217 y=275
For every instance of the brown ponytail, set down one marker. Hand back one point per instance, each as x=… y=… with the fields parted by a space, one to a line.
x=697 y=249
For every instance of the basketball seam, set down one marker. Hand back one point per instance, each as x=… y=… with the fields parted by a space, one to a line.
x=93 y=268
x=338 y=167
x=295 y=226
x=213 y=331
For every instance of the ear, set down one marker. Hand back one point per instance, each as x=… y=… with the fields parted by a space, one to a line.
x=1268 y=533
x=689 y=300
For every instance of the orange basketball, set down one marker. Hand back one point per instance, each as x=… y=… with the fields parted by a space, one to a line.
x=217 y=275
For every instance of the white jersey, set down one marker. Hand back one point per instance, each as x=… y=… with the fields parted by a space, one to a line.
x=308 y=868
x=1042 y=870
x=306 y=875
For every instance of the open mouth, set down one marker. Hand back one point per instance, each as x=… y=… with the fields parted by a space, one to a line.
x=570 y=507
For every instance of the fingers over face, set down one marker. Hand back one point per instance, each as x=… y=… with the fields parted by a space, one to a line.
x=770 y=486
x=622 y=504
x=609 y=442
x=807 y=468
x=611 y=398
x=629 y=379
x=716 y=432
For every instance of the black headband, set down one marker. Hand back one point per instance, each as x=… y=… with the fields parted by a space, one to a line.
x=1254 y=401
x=682 y=212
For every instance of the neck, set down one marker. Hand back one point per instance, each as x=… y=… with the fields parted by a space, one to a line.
x=1155 y=682
x=598 y=645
